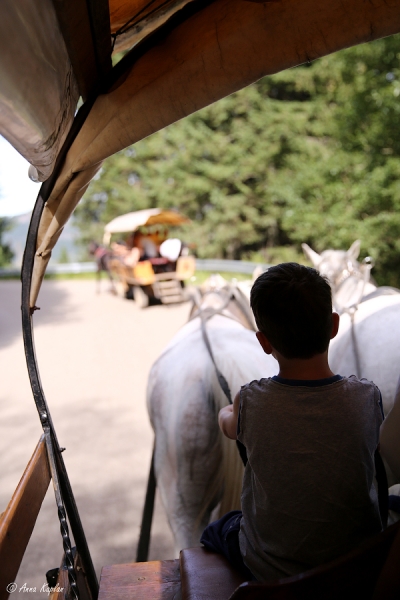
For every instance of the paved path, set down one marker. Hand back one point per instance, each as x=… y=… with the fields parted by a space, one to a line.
x=94 y=354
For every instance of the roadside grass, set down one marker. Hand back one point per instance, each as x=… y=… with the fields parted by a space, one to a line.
x=199 y=278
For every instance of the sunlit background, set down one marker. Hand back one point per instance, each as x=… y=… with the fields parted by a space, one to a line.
x=17 y=191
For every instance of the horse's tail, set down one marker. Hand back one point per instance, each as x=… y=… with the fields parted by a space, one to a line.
x=225 y=486
x=232 y=475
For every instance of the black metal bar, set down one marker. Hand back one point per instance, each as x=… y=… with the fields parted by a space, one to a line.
x=147 y=516
x=69 y=558
x=33 y=371
x=76 y=527
x=26 y=277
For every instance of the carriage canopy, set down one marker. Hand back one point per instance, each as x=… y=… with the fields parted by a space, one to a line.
x=181 y=55
x=142 y=218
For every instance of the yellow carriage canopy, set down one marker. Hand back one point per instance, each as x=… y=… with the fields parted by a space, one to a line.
x=181 y=55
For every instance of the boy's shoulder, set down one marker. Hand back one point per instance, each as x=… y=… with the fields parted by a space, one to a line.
x=256 y=385
x=353 y=380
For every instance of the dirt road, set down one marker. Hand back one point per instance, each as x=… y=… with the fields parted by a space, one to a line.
x=94 y=353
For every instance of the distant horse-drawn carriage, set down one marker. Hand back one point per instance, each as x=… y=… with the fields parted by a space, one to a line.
x=149 y=266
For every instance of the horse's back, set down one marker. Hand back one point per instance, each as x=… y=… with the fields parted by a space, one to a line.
x=370 y=346
x=186 y=359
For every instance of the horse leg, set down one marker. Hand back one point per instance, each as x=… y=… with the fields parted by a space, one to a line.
x=103 y=265
x=188 y=456
x=106 y=268
x=188 y=493
x=98 y=278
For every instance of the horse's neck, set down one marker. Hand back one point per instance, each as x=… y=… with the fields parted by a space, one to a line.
x=351 y=292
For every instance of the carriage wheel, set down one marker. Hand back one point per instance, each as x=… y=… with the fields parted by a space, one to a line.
x=121 y=288
x=129 y=294
x=140 y=297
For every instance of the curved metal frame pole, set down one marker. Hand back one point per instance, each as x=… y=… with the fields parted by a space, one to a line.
x=111 y=79
x=64 y=494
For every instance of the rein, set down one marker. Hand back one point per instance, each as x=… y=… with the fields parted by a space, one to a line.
x=221 y=379
x=207 y=313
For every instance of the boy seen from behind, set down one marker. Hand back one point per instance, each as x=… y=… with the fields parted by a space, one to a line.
x=309 y=436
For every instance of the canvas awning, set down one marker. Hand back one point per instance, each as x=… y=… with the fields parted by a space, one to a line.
x=197 y=53
x=38 y=88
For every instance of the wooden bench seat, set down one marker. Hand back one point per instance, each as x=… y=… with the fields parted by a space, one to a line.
x=356 y=575
x=156 y=580
x=206 y=575
x=371 y=571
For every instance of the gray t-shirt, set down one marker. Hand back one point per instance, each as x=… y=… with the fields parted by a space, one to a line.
x=308 y=490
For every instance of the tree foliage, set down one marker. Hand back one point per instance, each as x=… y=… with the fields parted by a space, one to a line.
x=308 y=155
x=6 y=254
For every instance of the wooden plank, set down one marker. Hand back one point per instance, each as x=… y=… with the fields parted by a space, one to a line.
x=19 y=518
x=207 y=575
x=61 y=589
x=156 y=580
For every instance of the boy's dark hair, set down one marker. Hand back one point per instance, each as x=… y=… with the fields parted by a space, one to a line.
x=292 y=306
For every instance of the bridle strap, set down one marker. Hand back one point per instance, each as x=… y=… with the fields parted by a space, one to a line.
x=221 y=379
x=208 y=313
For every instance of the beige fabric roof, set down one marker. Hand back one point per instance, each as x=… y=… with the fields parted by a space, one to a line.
x=141 y=218
x=48 y=57
x=38 y=90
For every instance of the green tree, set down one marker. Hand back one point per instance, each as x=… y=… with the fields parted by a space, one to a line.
x=6 y=254
x=64 y=256
x=310 y=154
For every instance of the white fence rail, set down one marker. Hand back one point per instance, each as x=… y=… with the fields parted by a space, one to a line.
x=212 y=265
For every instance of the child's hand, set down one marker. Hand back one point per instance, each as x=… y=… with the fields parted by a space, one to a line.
x=228 y=417
x=226 y=409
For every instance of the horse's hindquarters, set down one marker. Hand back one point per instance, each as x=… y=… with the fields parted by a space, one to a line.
x=370 y=348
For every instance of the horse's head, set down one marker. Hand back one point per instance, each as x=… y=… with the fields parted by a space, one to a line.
x=92 y=247
x=213 y=293
x=349 y=279
x=219 y=296
x=336 y=265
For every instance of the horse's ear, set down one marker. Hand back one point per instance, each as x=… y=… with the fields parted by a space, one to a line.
x=311 y=254
x=354 y=250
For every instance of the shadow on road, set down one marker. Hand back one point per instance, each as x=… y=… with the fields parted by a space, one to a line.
x=52 y=300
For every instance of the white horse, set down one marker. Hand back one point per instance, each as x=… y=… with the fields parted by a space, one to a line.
x=197 y=468
x=367 y=344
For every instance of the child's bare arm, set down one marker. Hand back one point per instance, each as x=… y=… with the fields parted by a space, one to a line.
x=228 y=418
